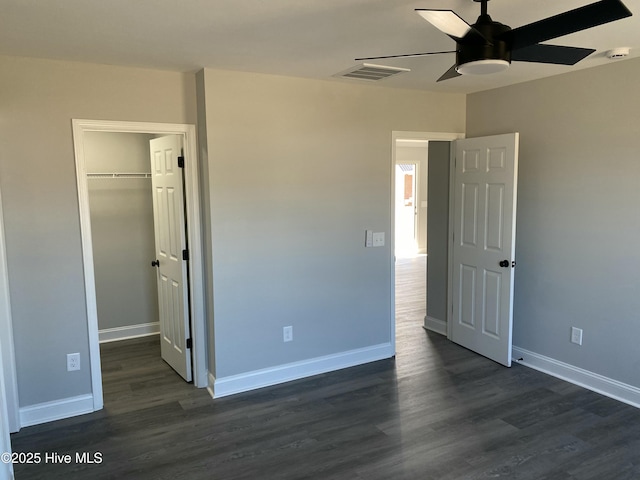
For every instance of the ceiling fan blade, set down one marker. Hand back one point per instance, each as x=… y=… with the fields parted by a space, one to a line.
x=448 y=22
x=598 y=13
x=406 y=55
x=557 y=54
x=451 y=73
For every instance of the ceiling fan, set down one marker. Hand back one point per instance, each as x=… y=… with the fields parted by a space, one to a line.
x=489 y=47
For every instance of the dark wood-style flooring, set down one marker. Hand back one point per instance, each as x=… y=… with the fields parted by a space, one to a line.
x=436 y=411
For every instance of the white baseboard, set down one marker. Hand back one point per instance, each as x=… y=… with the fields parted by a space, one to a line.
x=130 y=331
x=293 y=371
x=211 y=384
x=435 y=325
x=56 y=410
x=578 y=376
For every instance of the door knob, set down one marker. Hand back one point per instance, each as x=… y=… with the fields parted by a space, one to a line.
x=504 y=263
x=155 y=263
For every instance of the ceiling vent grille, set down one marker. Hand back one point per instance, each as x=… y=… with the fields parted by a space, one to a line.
x=370 y=72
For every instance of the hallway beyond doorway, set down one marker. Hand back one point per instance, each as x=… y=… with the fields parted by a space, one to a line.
x=411 y=295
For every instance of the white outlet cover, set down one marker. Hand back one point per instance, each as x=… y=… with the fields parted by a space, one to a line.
x=576 y=335
x=73 y=362
x=287 y=334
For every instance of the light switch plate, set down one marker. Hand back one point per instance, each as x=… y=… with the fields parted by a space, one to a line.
x=368 y=238
x=378 y=239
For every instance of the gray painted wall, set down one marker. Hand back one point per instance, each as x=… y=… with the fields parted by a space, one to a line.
x=578 y=224
x=38 y=183
x=298 y=170
x=438 y=227
x=122 y=230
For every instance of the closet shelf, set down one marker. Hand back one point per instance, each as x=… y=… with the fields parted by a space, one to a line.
x=118 y=175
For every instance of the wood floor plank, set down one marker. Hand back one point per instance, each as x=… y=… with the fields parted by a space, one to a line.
x=436 y=411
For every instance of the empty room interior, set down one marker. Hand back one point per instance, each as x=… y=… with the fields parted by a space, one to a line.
x=320 y=240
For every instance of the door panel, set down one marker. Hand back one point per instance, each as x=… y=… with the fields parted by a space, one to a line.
x=170 y=233
x=467 y=296
x=485 y=183
x=469 y=215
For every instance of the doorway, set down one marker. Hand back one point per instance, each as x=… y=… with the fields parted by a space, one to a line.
x=129 y=218
x=83 y=128
x=412 y=207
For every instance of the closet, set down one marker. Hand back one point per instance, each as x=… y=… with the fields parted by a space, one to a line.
x=122 y=230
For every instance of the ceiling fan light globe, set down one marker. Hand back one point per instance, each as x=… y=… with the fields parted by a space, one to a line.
x=482 y=67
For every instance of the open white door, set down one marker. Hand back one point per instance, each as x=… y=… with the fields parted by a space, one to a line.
x=171 y=253
x=484 y=213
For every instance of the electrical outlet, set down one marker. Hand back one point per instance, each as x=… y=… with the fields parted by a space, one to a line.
x=576 y=335
x=287 y=334
x=73 y=362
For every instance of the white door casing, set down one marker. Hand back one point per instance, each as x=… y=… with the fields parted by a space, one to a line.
x=6 y=468
x=484 y=223
x=196 y=273
x=171 y=242
x=9 y=419
x=10 y=398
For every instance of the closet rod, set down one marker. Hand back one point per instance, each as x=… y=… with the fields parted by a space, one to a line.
x=118 y=175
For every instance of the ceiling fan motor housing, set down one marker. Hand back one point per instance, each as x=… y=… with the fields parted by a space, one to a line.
x=495 y=47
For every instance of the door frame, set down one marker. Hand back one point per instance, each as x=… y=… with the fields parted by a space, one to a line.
x=6 y=468
x=192 y=199
x=415 y=136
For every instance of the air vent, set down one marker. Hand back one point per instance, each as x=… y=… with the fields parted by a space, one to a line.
x=617 y=53
x=371 y=73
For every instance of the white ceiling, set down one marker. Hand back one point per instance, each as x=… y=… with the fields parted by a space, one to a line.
x=304 y=38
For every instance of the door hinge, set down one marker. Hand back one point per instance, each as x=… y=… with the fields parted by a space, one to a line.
x=185 y=254
x=189 y=343
x=180 y=162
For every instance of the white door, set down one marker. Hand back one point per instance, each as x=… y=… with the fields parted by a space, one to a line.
x=171 y=252
x=484 y=232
